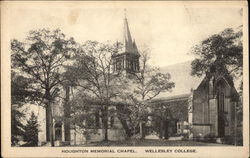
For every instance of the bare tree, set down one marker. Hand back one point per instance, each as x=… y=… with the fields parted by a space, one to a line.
x=93 y=72
x=146 y=85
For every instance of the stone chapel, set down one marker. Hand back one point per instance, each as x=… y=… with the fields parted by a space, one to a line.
x=208 y=108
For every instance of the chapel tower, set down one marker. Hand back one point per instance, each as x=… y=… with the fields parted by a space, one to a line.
x=127 y=60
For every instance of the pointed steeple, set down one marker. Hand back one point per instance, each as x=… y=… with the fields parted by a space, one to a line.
x=135 y=47
x=128 y=43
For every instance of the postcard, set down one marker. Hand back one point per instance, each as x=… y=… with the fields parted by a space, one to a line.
x=124 y=79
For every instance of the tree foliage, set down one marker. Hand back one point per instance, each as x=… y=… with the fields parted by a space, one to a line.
x=21 y=93
x=143 y=87
x=149 y=82
x=82 y=115
x=41 y=58
x=92 y=70
x=92 y=73
x=223 y=51
x=17 y=127
x=31 y=131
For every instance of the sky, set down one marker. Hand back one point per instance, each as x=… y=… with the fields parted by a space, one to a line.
x=169 y=30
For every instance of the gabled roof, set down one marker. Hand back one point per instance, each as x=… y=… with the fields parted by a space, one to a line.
x=181 y=97
x=184 y=82
x=181 y=76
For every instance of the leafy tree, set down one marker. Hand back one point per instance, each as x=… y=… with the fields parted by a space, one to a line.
x=163 y=112
x=21 y=90
x=92 y=72
x=31 y=131
x=16 y=124
x=41 y=58
x=144 y=86
x=82 y=112
x=21 y=93
x=224 y=51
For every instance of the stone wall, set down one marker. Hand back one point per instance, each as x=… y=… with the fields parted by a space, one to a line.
x=200 y=130
x=42 y=125
x=201 y=105
x=205 y=107
x=78 y=137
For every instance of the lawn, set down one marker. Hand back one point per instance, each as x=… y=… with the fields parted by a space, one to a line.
x=152 y=142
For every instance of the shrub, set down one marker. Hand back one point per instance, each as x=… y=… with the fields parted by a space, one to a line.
x=199 y=137
x=211 y=138
x=231 y=140
x=31 y=131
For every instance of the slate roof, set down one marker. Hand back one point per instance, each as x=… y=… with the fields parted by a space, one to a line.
x=181 y=76
x=184 y=82
x=169 y=99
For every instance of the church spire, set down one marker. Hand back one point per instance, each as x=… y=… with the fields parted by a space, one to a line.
x=125 y=17
x=126 y=60
x=128 y=43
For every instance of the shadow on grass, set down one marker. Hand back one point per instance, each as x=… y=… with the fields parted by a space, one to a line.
x=151 y=142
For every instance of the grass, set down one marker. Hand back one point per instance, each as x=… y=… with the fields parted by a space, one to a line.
x=151 y=142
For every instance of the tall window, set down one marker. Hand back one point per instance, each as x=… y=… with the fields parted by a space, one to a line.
x=221 y=102
x=93 y=120
x=58 y=131
x=112 y=120
x=119 y=64
x=221 y=117
x=97 y=122
x=137 y=67
x=129 y=64
x=90 y=121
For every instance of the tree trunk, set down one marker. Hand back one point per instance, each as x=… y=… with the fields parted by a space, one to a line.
x=47 y=123
x=166 y=122
x=142 y=132
x=128 y=131
x=51 y=134
x=161 y=129
x=126 y=128
x=67 y=115
x=49 y=118
x=105 y=122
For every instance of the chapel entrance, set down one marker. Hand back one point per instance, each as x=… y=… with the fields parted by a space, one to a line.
x=166 y=129
x=58 y=131
x=169 y=128
x=221 y=120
